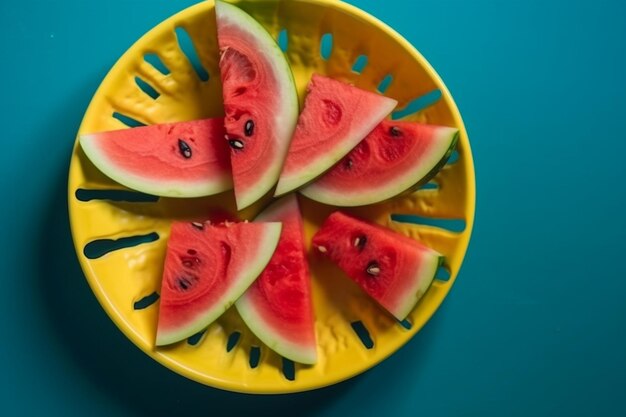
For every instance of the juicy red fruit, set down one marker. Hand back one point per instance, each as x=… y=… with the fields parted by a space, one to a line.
x=391 y=268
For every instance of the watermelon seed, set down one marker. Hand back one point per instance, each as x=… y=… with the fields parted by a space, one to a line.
x=322 y=249
x=236 y=144
x=249 y=128
x=395 y=131
x=184 y=149
x=373 y=269
x=360 y=242
x=184 y=283
x=198 y=225
x=192 y=252
x=190 y=261
x=348 y=163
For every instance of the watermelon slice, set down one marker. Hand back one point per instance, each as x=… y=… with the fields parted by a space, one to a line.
x=336 y=117
x=396 y=157
x=206 y=269
x=187 y=159
x=260 y=102
x=278 y=307
x=393 y=269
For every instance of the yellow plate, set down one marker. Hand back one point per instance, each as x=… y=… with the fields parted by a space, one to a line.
x=124 y=276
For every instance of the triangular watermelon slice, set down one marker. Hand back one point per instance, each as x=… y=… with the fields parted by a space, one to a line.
x=393 y=269
x=185 y=159
x=278 y=307
x=336 y=117
x=207 y=267
x=260 y=102
x=395 y=158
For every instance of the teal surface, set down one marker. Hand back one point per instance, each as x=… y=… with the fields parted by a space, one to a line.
x=536 y=323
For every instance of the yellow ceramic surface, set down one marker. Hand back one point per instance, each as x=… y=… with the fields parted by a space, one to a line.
x=122 y=277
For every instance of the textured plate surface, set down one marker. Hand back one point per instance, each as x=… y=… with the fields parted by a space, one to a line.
x=120 y=236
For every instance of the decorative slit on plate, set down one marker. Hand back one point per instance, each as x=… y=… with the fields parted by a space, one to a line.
x=384 y=84
x=363 y=334
x=454 y=157
x=187 y=46
x=146 y=301
x=417 y=104
x=86 y=195
x=283 y=40
x=406 y=324
x=452 y=225
x=360 y=64
x=326 y=46
x=100 y=247
x=155 y=61
x=255 y=356
x=232 y=341
x=289 y=369
x=443 y=273
x=127 y=120
x=430 y=186
x=147 y=88
x=196 y=338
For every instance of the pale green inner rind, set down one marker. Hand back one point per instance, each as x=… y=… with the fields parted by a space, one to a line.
x=253 y=318
x=421 y=172
x=159 y=187
x=245 y=198
x=316 y=167
x=268 y=241
x=286 y=116
x=423 y=279
x=301 y=353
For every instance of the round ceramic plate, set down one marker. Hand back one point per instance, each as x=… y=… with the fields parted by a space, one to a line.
x=171 y=74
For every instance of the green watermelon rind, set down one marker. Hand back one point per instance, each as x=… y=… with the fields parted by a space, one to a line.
x=287 y=117
x=420 y=174
x=326 y=161
x=296 y=352
x=155 y=186
x=268 y=243
x=422 y=281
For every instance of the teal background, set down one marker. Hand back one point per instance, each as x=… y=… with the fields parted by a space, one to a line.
x=536 y=323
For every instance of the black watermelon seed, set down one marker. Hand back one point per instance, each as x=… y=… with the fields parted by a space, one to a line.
x=395 y=131
x=199 y=226
x=184 y=283
x=249 y=128
x=184 y=149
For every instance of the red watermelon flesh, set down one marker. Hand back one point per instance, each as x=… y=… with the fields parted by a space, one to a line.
x=393 y=269
x=185 y=159
x=396 y=157
x=336 y=117
x=278 y=307
x=260 y=102
x=207 y=267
